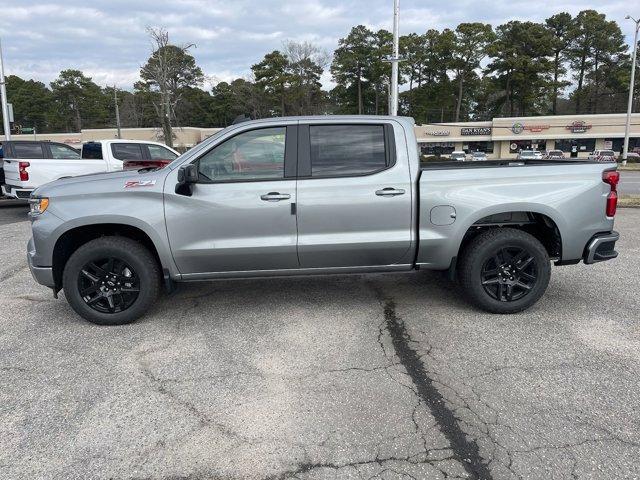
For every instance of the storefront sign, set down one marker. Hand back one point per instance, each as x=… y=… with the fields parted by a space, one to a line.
x=578 y=126
x=518 y=128
x=475 y=131
x=438 y=133
x=608 y=144
x=537 y=128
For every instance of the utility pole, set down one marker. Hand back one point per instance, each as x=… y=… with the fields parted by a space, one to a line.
x=3 y=99
x=625 y=149
x=396 y=57
x=115 y=99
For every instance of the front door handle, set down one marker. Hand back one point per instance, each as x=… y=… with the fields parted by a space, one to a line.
x=275 y=196
x=389 y=192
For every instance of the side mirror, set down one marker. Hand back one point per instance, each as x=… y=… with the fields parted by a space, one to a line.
x=187 y=176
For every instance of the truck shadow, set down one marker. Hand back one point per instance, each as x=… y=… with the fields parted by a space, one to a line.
x=431 y=290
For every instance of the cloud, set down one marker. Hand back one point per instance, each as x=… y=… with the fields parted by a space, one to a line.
x=108 y=41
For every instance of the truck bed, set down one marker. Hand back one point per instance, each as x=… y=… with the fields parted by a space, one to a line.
x=453 y=196
x=500 y=163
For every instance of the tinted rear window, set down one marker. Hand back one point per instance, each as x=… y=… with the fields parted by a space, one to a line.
x=127 y=151
x=92 y=151
x=339 y=150
x=28 y=150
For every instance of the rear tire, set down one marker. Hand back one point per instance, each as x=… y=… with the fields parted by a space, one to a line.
x=504 y=270
x=111 y=280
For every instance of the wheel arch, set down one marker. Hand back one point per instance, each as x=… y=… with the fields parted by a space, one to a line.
x=540 y=225
x=73 y=238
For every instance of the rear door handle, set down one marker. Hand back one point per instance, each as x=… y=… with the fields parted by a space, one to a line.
x=275 y=196
x=389 y=192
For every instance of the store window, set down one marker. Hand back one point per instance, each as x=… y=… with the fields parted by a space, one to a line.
x=616 y=144
x=516 y=145
x=576 y=144
x=437 y=148
x=486 y=147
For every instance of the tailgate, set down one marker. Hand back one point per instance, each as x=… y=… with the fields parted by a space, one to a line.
x=12 y=173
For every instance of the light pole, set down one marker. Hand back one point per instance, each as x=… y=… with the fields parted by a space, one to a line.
x=3 y=100
x=394 y=59
x=625 y=149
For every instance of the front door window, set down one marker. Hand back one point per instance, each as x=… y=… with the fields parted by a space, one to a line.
x=254 y=155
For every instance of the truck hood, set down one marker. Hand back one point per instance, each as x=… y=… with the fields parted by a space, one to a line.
x=100 y=182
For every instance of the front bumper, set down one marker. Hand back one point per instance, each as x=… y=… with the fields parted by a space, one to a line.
x=42 y=275
x=601 y=247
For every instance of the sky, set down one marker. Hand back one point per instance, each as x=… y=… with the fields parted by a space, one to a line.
x=107 y=39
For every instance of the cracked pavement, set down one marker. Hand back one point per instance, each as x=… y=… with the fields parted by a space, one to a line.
x=367 y=376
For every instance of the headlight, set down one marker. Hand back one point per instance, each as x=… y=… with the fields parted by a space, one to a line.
x=38 y=205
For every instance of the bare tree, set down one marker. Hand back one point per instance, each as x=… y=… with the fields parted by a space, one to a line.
x=297 y=52
x=168 y=71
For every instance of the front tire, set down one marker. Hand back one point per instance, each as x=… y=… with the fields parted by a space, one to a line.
x=504 y=270
x=111 y=280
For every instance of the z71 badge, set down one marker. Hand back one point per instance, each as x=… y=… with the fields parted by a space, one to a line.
x=139 y=183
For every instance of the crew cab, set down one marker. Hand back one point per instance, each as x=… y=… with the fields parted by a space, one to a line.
x=129 y=154
x=29 y=164
x=318 y=195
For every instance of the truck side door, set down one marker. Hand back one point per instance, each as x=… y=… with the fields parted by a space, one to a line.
x=64 y=161
x=240 y=215
x=354 y=196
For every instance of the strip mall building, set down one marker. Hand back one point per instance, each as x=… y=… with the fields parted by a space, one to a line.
x=576 y=135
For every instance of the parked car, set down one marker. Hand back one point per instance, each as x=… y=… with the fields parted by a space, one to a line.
x=602 y=156
x=458 y=156
x=554 y=155
x=529 y=155
x=29 y=164
x=346 y=195
x=478 y=157
x=130 y=154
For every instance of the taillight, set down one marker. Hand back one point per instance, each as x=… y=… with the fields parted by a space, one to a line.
x=611 y=177
x=22 y=168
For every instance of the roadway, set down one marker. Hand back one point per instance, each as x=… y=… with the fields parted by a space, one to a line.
x=629 y=182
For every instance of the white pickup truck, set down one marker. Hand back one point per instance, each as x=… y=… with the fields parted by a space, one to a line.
x=29 y=164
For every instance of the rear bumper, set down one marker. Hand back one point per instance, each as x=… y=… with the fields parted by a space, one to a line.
x=601 y=247
x=16 y=192
x=42 y=275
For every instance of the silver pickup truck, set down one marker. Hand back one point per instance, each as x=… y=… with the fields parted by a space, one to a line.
x=318 y=195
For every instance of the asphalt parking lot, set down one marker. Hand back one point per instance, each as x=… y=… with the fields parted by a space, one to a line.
x=367 y=376
x=630 y=182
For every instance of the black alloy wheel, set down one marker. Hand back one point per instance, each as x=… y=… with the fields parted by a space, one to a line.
x=108 y=285
x=504 y=270
x=510 y=274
